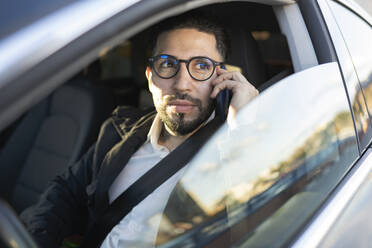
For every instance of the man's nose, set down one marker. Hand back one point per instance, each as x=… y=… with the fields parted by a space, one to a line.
x=183 y=79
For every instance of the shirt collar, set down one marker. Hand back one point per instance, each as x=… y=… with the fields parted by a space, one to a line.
x=155 y=131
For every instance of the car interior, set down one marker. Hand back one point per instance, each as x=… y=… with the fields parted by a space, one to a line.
x=54 y=133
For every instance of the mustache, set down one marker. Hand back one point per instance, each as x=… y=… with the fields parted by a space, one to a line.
x=180 y=96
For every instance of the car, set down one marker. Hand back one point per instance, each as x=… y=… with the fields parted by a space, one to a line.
x=293 y=170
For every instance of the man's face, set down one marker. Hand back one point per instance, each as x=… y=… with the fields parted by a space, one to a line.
x=182 y=102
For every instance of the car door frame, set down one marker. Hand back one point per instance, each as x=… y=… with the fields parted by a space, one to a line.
x=318 y=227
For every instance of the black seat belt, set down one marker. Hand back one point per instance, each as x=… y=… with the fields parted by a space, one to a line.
x=146 y=184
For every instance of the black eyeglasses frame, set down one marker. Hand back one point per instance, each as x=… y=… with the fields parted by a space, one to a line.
x=151 y=61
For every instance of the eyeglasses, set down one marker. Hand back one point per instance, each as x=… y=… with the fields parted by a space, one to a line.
x=200 y=68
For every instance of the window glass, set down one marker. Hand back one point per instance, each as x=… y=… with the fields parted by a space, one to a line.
x=357 y=34
x=256 y=185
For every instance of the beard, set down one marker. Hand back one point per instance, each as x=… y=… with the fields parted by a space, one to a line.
x=176 y=123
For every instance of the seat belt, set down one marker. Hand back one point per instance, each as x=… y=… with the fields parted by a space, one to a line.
x=146 y=184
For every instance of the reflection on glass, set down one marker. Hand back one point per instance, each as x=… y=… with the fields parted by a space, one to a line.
x=257 y=184
x=358 y=41
x=363 y=125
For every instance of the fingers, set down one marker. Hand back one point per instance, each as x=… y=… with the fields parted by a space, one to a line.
x=227 y=84
x=226 y=75
x=234 y=86
x=242 y=91
x=230 y=80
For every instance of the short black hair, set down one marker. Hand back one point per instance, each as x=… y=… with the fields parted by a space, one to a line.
x=198 y=21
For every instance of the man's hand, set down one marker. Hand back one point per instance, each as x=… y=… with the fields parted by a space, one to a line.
x=242 y=91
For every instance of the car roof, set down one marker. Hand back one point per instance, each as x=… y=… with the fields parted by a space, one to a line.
x=16 y=14
x=19 y=13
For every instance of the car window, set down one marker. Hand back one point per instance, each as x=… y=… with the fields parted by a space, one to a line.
x=256 y=185
x=358 y=41
x=352 y=85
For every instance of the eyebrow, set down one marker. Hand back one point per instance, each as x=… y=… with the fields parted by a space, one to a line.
x=205 y=56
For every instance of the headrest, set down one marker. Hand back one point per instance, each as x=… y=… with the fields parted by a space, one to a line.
x=245 y=53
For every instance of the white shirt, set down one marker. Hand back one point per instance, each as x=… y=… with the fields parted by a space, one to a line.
x=139 y=227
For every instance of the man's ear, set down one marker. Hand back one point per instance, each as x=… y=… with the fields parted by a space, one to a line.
x=148 y=73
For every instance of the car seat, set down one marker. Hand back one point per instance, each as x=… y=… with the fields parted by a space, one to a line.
x=52 y=135
x=245 y=54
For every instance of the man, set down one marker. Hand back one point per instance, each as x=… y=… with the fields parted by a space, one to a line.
x=184 y=77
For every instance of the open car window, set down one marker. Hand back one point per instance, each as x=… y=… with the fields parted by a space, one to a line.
x=59 y=128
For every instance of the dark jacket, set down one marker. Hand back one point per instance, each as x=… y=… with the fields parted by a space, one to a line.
x=75 y=199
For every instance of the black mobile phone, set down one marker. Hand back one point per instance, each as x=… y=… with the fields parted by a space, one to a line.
x=222 y=102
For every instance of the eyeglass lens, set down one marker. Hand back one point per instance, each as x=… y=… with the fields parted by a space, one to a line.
x=199 y=68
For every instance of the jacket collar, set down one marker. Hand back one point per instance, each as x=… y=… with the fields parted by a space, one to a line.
x=117 y=158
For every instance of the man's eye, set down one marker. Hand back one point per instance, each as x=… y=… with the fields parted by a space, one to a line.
x=202 y=66
x=167 y=64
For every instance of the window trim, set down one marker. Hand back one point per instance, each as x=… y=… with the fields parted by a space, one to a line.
x=300 y=45
x=347 y=68
x=318 y=30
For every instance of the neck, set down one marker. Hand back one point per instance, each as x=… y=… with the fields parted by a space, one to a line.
x=169 y=140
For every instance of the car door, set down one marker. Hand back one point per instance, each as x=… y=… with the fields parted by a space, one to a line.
x=258 y=185
x=342 y=220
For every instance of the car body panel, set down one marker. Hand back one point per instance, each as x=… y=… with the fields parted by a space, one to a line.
x=335 y=207
x=352 y=228
x=29 y=46
x=20 y=13
x=357 y=9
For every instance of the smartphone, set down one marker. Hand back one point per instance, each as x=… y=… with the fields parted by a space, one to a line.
x=222 y=102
